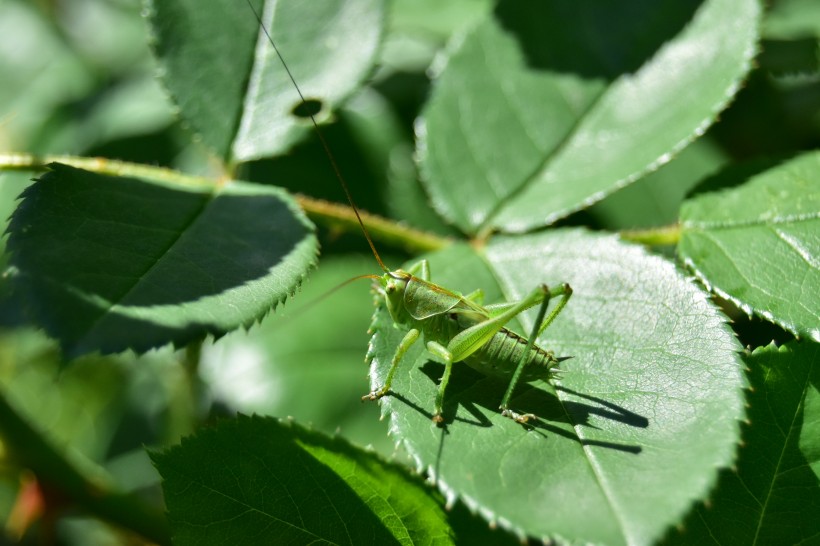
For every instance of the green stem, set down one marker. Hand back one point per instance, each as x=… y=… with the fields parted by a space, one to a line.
x=31 y=450
x=658 y=236
x=334 y=215
x=323 y=212
x=28 y=162
x=186 y=412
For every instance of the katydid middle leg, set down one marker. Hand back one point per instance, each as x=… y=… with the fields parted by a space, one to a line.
x=407 y=341
x=441 y=351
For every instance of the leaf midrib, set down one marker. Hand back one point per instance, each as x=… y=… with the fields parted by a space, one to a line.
x=250 y=507
x=542 y=165
x=139 y=278
x=797 y=412
x=621 y=522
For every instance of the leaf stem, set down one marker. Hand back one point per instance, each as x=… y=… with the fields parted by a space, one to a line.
x=31 y=450
x=329 y=214
x=101 y=165
x=334 y=215
x=657 y=236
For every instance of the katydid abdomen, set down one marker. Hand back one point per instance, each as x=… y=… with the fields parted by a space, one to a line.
x=498 y=357
x=504 y=351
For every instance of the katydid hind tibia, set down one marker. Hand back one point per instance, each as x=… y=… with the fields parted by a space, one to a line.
x=455 y=328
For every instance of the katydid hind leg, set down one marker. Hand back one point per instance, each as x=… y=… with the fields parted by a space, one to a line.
x=541 y=322
x=407 y=341
x=565 y=292
x=473 y=338
x=421 y=269
x=476 y=296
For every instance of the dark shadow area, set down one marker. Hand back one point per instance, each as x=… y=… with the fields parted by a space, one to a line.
x=12 y=307
x=770 y=462
x=307 y=169
x=277 y=459
x=597 y=39
x=472 y=390
x=152 y=149
x=735 y=175
x=752 y=331
x=773 y=113
x=408 y=93
x=602 y=408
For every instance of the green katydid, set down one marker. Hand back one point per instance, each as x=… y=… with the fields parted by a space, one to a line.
x=456 y=328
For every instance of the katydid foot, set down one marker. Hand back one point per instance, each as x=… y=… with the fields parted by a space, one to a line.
x=517 y=417
x=374 y=395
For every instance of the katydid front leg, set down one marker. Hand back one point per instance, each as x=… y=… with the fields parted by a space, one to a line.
x=405 y=344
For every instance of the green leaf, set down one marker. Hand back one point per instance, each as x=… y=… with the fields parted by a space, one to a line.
x=113 y=263
x=758 y=245
x=535 y=119
x=645 y=412
x=231 y=86
x=792 y=19
x=256 y=480
x=773 y=496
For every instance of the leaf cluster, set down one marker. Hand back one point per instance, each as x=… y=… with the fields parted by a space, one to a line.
x=163 y=277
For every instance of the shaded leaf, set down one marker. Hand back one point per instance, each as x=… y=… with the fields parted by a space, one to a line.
x=113 y=263
x=231 y=86
x=758 y=245
x=646 y=411
x=773 y=497
x=256 y=480
x=470 y=528
x=534 y=119
x=376 y=127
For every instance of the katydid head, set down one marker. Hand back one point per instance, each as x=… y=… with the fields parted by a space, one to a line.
x=391 y=287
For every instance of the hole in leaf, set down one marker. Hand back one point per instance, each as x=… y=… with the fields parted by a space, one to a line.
x=307 y=108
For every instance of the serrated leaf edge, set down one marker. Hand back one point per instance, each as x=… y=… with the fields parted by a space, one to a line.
x=272 y=305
